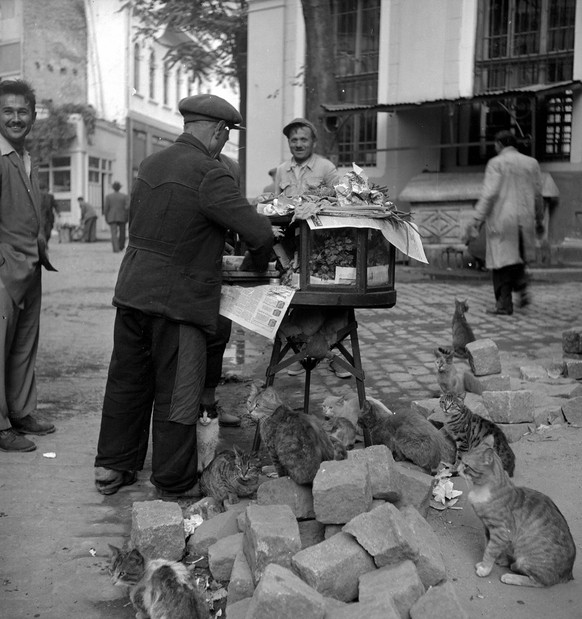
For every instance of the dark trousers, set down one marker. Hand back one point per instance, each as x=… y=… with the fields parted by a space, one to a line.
x=506 y=280
x=90 y=230
x=156 y=375
x=117 y=235
x=215 y=347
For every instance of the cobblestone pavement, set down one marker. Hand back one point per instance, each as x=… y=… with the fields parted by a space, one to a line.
x=54 y=526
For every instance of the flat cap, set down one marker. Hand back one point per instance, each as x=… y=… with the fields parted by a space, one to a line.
x=210 y=107
x=299 y=122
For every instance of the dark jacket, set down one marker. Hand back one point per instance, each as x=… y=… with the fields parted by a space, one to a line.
x=182 y=203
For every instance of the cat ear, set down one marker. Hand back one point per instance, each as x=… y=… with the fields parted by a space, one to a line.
x=114 y=550
x=489 y=440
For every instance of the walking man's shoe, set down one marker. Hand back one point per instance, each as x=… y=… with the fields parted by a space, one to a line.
x=108 y=481
x=11 y=441
x=499 y=311
x=30 y=425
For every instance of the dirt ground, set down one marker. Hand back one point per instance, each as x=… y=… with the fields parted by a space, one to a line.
x=51 y=516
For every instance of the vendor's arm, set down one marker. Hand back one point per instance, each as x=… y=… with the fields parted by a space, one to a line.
x=490 y=191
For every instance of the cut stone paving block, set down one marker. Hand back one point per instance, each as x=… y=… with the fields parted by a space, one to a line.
x=573 y=369
x=384 y=476
x=416 y=489
x=515 y=431
x=341 y=490
x=400 y=584
x=383 y=609
x=284 y=491
x=221 y=556
x=531 y=373
x=284 y=595
x=385 y=535
x=441 y=601
x=429 y=565
x=334 y=566
x=548 y=410
x=311 y=532
x=572 y=340
x=491 y=382
x=576 y=392
x=157 y=530
x=332 y=529
x=510 y=406
x=483 y=356
x=238 y=610
x=474 y=403
x=572 y=410
x=241 y=583
x=210 y=531
x=271 y=536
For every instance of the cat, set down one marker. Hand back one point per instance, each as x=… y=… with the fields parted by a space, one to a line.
x=346 y=406
x=408 y=435
x=462 y=332
x=297 y=443
x=343 y=430
x=468 y=430
x=159 y=589
x=232 y=474
x=447 y=376
x=207 y=431
x=525 y=529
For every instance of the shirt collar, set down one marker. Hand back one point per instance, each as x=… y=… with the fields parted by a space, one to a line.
x=305 y=164
x=6 y=149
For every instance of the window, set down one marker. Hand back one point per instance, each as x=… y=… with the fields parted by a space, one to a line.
x=136 y=67
x=558 y=128
x=356 y=41
x=152 y=75
x=524 y=42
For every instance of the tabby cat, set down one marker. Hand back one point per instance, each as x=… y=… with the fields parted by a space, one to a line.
x=297 y=443
x=346 y=406
x=447 y=376
x=159 y=589
x=468 y=430
x=207 y=431
x=408 y=435
x=462 y=332
x=343 y=430
x=231 y=474
x=525 y=529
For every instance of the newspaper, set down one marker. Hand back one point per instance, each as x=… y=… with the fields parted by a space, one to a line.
x=257 y=308
x=403 y=235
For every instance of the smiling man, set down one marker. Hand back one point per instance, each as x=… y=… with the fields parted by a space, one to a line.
x=22 y=252
x=305 y=169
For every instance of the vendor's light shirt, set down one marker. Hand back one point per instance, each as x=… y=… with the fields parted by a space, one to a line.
x=293 y=179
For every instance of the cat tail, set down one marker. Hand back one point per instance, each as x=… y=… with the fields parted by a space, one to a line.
x=323 y=443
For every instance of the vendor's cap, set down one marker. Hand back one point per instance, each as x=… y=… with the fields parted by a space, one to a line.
x=210 y=107
x=299 y=122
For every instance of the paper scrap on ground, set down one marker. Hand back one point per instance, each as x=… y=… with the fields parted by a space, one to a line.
x=257 y=308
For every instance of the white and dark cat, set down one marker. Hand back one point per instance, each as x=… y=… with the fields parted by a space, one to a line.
x=159 y=589
x=207 y=435
x=525 y=529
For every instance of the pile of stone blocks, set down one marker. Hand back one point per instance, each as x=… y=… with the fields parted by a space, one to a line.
x=355 y=544
x=572 y=357
x=542 y=394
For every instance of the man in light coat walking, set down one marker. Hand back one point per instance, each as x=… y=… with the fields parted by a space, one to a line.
x=511 y=205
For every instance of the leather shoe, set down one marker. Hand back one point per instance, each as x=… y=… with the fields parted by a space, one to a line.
x=30 y=425
x=498 y=311
x=108 y=481
x=524 y=300
x=191 y=493
x=11 y=441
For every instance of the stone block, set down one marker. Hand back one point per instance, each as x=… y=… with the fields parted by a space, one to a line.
x=384 y=477
x=157 y=530
x=332 y=529
x=241 y=584
x=221 y=555
x=239 y=609
x=341 y=490
x=548 y=410
x=210 y=531
x=531 y=373
x=376 y=609
x=491 y=382
x=282 y=594
x=271 y=536
x=334 y=566
x=400 y=584
x=572 y=340
x=573 y=368
x=385 y=535
x=311 y=532
x=510 y=406
x=284 y=491
x=426 y=407
x=483 y=356
x=441 y=601
x=514 y=431
x=576 y=392
x=474 y=403
x=416 y=489
x=572 y=411
x=429 y=564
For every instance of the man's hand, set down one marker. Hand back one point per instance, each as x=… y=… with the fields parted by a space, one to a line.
x=254 y=263
x=471 y=232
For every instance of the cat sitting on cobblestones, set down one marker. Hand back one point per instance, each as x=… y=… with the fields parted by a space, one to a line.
x=447 y=376
x=462 y=332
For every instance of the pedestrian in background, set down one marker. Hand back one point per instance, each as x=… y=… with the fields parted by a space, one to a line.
x=22 y=252
x=88 y=221
x=116 y=212
x=49 y=211
x=511 y=206
x=168 y=296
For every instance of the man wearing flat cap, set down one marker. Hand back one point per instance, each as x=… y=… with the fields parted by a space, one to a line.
x=167 y=298
x=305 y=169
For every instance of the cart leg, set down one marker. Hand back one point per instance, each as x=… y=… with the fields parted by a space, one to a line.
x=360 y=386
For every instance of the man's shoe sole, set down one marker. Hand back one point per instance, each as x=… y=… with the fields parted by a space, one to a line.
x=24 y=450
x=36 y=433
x=127 y=479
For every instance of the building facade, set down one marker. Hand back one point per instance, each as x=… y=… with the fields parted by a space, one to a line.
x=422 y=88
